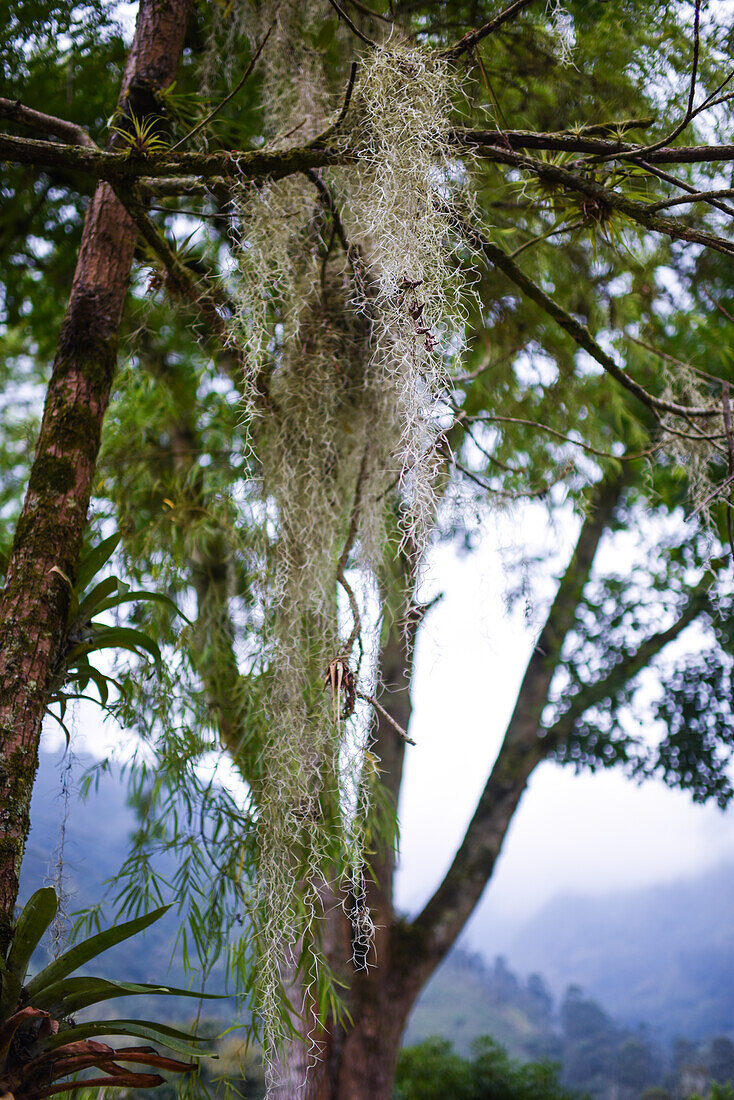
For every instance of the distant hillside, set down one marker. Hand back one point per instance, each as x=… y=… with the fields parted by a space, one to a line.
x=468 y=997
x=662 y=955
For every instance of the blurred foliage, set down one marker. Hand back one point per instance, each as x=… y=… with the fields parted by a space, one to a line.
x=431 y=1071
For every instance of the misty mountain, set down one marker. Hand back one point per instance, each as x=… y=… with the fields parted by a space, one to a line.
x=663 y=955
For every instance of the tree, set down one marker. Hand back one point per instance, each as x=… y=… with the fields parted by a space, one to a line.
x=432 y=1070
x=289 y=423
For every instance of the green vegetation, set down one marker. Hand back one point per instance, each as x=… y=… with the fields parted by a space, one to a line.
x=431 y=1071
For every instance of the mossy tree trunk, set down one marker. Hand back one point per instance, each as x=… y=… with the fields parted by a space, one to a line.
x=48 y=538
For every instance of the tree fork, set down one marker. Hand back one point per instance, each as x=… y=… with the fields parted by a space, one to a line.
x=48 y=538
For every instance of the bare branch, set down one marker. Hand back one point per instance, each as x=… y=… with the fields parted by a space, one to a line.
x=488 y=419
x=15 y=111
x=352 y=26
x=388 y=718
x=692 y=196
x=689 y=113
x=666 y=177
x=473 y=37
x=624 y=671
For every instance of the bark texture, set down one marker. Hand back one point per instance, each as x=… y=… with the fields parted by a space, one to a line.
x=48 y=538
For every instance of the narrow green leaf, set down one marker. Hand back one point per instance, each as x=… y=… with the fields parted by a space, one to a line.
x=71 y=995
x=98 y=595
x=97 y=557
x=143 y=596
x=36 y=916
x=10 y=988
x=124 y=637
x=77 y=956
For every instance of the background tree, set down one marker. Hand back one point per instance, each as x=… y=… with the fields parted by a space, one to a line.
x=289 y=424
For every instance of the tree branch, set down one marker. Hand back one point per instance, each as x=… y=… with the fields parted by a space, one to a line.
x=124 y=168
x=606 y=197
x=352 y=25
x=473 y=37
x=15 y=111
x=497 y=142
x=445 y=915
x=578 y=332
x=626 y=669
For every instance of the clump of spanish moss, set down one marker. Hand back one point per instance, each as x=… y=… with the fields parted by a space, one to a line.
x=399 y=203
x=350 y=318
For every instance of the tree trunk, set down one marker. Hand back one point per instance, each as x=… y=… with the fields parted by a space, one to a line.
x=48 y=538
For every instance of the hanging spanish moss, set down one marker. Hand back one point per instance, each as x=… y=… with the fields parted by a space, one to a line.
x=349 y=313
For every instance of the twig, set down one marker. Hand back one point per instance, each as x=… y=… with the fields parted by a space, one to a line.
x=347 y=97
x=370 y=12
x=472 y=37
x=212 y=114
x=690 y=113
x=486 y=418
x=488 y=364
x=719 y=489
x=531 y=494
x=352 y=26
x=672 y=358
x=689 y=190
x=328 y=200
x=388 y=717
x=545 y=237
x=693 y=196
x=320 y=140
x=721 y=309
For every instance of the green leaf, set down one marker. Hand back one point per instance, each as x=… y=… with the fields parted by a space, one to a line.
x=140 y=596
x=10 y=988
x=170 y=1037
x=36 y=916
x=125 y=637
x=115 y=637
x=77 y=956
x=71 y=995
x=97 y=598
x=97 y=557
